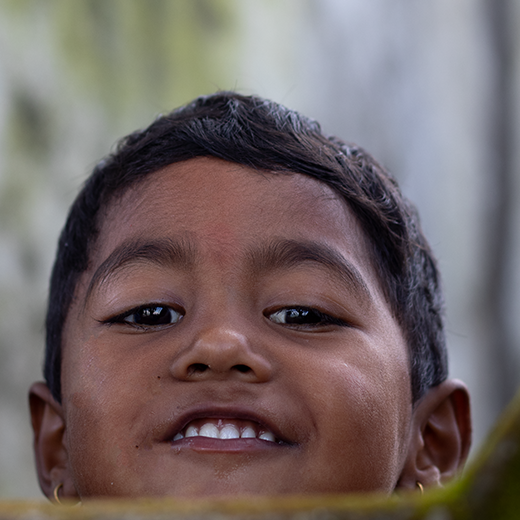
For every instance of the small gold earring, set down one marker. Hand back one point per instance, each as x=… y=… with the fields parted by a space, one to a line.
x=421 y=487
x=55 y=493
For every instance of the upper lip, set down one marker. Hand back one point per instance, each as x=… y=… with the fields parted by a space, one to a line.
x=219 y=412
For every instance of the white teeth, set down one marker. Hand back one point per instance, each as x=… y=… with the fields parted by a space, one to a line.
x=191 y=431
x=209 y=430
x=248 y=433
x=266 y=436
x=229 y=431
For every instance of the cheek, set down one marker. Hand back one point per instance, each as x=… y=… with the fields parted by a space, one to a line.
x=106 y=404
x=362 y=409
x=102 y=370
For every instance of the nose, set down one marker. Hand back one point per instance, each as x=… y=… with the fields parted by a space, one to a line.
x=221 y=354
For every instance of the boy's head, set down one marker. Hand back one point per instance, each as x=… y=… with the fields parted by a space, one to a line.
x=231 y=270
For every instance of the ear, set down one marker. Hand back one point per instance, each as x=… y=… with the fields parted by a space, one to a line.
x=440 y=437
x=49 y=449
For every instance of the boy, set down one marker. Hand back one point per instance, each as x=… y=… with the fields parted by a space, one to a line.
x=242 y=305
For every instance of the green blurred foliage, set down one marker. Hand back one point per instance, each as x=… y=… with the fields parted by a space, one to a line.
x=128 y=53
x=123 y=52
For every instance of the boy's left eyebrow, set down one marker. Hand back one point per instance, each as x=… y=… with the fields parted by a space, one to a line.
x=288 y=253
x=161 y=252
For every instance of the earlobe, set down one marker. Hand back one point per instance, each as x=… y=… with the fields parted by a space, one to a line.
x=49 y=448
x=440 y=437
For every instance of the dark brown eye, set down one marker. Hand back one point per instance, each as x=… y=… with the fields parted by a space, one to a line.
x=296 y=316
x=303 y=317
x=150 y=316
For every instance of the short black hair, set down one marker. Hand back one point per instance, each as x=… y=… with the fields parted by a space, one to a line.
x=266 y=136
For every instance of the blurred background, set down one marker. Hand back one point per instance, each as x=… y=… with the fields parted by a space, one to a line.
x=430 y=88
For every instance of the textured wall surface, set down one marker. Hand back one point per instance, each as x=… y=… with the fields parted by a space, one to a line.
x=428 y=87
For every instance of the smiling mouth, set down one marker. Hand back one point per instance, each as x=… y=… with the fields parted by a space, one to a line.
x=225 y=429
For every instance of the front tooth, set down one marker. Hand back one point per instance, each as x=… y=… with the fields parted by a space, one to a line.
x=266 y=436
x=230 y=431
x=248 y=433
x=191 y=431
x=209 y=430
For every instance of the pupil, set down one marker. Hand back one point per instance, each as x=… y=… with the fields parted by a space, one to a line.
x=155 y=315
x=297 y=316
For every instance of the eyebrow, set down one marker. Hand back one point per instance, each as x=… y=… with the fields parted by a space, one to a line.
x=163 y=252
x=287 y=254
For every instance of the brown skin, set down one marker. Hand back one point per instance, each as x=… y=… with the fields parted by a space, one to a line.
x=335 y=393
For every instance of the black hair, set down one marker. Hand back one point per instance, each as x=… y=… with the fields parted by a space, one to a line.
x=254 y=132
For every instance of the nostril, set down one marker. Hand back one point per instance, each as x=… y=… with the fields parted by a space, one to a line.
x=197 y=368
x=242 y=368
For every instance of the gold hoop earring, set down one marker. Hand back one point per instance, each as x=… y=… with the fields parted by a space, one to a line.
x=420 y=486
x=55 y=493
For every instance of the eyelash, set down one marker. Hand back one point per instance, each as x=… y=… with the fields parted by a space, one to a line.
x=288 y=316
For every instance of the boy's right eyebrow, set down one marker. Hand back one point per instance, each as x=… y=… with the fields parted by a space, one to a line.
x=162 y=252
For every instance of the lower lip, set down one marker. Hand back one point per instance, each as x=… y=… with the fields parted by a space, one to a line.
x=208 y=444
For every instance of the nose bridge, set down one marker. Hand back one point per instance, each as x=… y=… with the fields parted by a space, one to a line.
x=222 y=350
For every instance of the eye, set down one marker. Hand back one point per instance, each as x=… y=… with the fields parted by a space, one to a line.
x=148 y=316
x=304 y=317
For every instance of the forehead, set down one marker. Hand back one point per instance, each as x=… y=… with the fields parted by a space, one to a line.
x=225 y=205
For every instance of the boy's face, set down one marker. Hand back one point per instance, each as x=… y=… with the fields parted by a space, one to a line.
x=221 y=301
